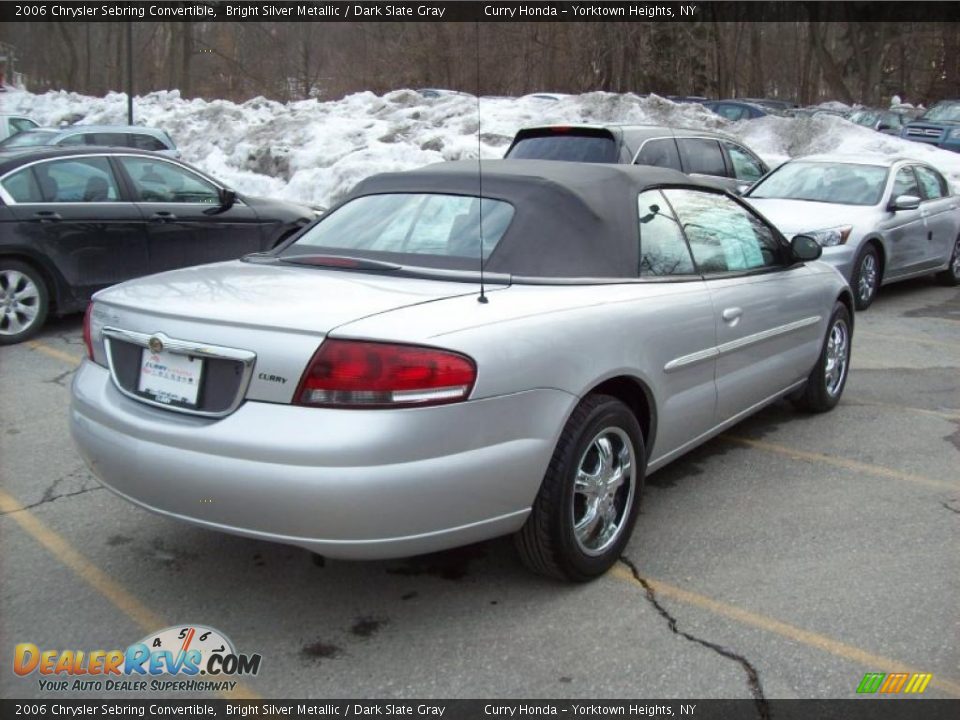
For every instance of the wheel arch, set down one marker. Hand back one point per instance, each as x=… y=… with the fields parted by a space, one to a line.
x=635 y=394
x=56 y=288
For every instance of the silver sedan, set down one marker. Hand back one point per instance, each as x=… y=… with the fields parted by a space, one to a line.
x=365 y=391
x=878 y=219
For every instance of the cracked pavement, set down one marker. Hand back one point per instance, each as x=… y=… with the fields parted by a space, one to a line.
x=823 y=563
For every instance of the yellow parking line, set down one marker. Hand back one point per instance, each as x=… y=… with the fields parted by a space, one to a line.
x=125 y=602
x=877 y=470
x=805 y=637
x=53 y=352
x=900 y=339
x=946 y=415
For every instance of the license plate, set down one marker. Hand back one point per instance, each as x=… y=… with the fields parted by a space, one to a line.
x=170 y=379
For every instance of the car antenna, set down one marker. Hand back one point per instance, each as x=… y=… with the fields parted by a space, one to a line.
x=483 y=294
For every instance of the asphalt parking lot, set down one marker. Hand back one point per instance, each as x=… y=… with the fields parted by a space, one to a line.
x=784 y=559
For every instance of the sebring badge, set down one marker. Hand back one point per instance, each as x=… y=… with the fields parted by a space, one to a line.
x=155 y=344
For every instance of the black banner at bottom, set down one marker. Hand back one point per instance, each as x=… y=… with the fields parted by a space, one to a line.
x=872 y=708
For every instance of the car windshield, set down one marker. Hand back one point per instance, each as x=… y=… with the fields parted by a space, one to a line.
x=865 y=117
x=29 y=138
x=838 y=183
x=943 y=111
x=409 y=228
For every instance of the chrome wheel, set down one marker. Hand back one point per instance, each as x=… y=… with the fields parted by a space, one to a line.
x=838 y=357
x=869 y=272
x=603 y=490
x=19 y=302
x=955 y=262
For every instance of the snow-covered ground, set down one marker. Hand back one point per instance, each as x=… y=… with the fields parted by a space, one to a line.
x=316 y=151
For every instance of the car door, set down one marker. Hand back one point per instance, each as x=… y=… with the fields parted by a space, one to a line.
x=939 y=210
x=703 y=158
x=904 y=230
x=767 y=310
x=675 y=308
x=72 y=209
x=186 y=224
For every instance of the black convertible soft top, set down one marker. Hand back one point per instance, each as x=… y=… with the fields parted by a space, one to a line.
x=570 y=219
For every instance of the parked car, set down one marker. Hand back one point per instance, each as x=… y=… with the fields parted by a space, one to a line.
x=889 y=122
x=74 y=220
x=879 y=219
x=10 y=125
x=812 y=111
x=734 y=110
x=773 y=103
x=708 y=156
x=939 y=126
x=348 y=393
x=685 y=99
x=131 y=136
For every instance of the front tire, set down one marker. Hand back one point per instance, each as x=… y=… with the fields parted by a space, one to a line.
x=866 y=277
x=951 y=276
x=24 y=301
x=585 y=511
x=829 y=376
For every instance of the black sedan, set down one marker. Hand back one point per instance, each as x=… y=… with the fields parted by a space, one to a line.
x=73 y=221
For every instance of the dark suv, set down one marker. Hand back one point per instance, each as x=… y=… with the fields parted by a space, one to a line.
x=939 y=126
x=706 y=155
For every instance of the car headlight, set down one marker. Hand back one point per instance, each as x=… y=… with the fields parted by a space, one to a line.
x=830 y=237
x=954 y=134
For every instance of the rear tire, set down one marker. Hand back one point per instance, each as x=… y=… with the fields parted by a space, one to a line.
x=951 y=276
x=829 y=376
x=866 y=277
x=24 y=301
x=588 y=502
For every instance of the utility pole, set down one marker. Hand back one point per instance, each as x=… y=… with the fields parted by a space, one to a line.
x=129 y=73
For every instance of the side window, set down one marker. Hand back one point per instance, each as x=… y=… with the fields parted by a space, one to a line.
x=17 y=124
x=702 y=155
x=145 y=142
x=22 y=187
x=158 y=181
x=905 y=183
x=723 y=235
x=108 y=139
x=931 y=182
x=77 y=180
x=663 y=249
x=661 y=152
x=77 y=139
x=745 y=166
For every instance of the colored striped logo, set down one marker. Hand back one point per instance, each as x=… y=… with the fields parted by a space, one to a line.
x=894 y=683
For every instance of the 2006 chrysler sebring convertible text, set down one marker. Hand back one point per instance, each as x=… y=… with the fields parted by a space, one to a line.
x=348 y=393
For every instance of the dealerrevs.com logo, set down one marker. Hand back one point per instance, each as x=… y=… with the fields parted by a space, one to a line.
x=184 y=658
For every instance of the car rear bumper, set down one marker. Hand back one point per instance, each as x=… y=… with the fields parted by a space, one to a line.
x=361 y=484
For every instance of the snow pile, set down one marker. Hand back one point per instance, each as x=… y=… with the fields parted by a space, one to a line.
x=315 y=152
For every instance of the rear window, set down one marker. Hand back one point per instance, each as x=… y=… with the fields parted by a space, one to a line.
x=579 y=146
x=391 y=226
x=146 y=142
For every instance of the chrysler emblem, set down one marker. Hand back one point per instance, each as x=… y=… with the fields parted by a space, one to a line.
x=155 y=344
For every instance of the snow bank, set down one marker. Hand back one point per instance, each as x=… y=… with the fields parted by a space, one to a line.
x=315 y=152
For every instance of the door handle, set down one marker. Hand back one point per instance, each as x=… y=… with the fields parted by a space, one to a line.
x=731 y=315
x=48 y=216
x=162 y=216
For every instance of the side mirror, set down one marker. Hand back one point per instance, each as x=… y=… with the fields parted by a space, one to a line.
x=227 y=198
x=905 y=202
x=805 y=248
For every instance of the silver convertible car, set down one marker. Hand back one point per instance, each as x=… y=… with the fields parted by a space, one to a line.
x=879 y=219
x=364 y=392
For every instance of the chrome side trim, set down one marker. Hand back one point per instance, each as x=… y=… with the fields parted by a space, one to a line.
x=728 y=347
x=182 y=347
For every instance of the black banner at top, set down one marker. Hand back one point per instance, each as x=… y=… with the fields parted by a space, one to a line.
x=472 y=11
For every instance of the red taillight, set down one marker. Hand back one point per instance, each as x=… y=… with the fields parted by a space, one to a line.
x=360 y=374
x=87 y=336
